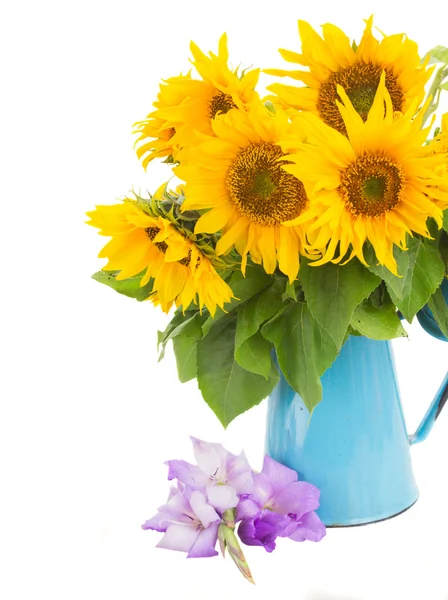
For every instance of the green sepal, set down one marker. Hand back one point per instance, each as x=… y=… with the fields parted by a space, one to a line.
x=128 y=287
x=333 y=292
x=304 y=350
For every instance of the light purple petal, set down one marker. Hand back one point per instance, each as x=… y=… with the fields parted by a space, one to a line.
x=222 y=497
x=211 y=458
x=239 y=474
x=263 y=488
x=179 y=537
x=205 y=543
x=174 y=490
x=247 y=508
x=187 y=473
x=158 y=522
x=178 y=507
x=205 y=513
x=309 y=527
x=279 y=475
x=298 y=498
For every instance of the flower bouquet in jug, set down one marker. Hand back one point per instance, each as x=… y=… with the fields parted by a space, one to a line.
x=300 y=218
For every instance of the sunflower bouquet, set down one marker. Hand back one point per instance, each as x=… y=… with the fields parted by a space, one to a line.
x=299 y=219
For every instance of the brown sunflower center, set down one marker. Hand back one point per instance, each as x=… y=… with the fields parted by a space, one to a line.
x=151 y=232
x=220 y=103
x=360 y=82
x=261 y=189
x=372 y=185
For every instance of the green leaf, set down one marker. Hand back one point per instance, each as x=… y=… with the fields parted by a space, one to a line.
x=189 y=325
x=444 y=86
x=423 y=276
x=378 y=323
x=254 y=355
x=252 y=350
x=304 y=350
x=443 y=247
x=243 y=288
x=185 y=353
x=438 y=54
x=445 y=220
x=227 y=388
x=128 y=287
x=394 y=283
x=258 y=309
x=439 y=309
x=333 y=292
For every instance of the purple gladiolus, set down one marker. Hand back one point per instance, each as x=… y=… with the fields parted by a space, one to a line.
x=219 y=474
x=280 y=506
x=189 y=522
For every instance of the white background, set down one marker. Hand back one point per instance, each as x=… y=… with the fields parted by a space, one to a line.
x=88 y=416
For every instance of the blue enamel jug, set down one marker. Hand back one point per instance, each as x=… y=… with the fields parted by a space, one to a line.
x=355 y=448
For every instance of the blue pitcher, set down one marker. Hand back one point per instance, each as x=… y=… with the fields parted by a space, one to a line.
x=355 y=448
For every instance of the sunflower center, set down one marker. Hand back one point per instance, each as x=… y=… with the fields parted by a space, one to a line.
x=151 y=232
x=261 y=189
x=220 y=103
x=372 y=185
x=360 y=82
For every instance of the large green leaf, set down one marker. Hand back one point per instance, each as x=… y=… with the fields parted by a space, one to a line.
x=188 y=325
x=254 y=355
x=443 y=247
x=445 y=220
x=395 y=284
x=304 y=350
x=377 y=323
x=227 y=388
x=129 y=287
x=333 y=292
x=252 y=350
x=243 y=288
x=258 y=309
x=439 y=309
x=423 y=276
x=185 y=353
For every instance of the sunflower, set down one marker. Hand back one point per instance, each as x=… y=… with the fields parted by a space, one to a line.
x=203 y=100
x=141 y=242
x=376 y=184
x=333 y=61
x=239 y=175
x=157 y=137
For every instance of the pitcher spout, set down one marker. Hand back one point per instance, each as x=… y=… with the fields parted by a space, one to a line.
x=432 y=414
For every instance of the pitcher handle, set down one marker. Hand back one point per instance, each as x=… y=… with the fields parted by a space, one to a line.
x=432 y=414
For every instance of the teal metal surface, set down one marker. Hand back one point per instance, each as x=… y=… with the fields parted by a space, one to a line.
x=355 y=448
